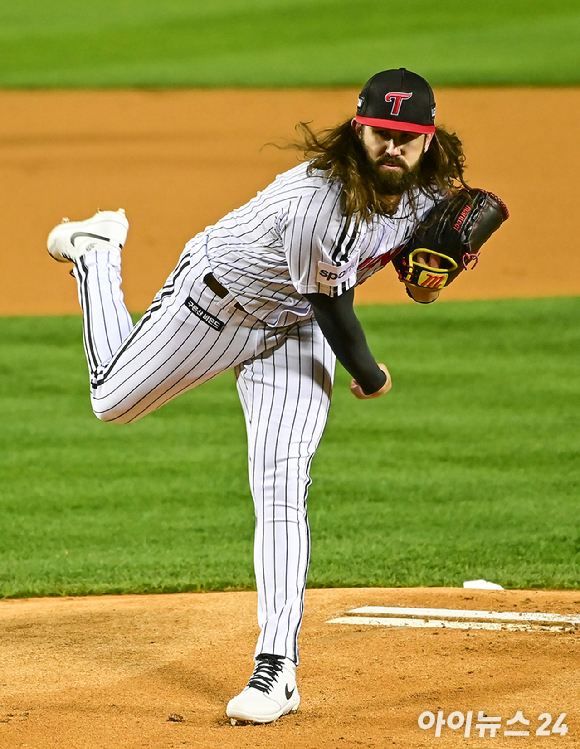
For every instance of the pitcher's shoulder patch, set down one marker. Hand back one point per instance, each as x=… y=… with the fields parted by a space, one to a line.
x=334 y=275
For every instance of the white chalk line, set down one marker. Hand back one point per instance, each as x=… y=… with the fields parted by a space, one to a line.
x=514 y=621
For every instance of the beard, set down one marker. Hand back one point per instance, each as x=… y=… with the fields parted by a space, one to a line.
x=394 y=182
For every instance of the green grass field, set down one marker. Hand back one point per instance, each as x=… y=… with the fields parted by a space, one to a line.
x=103 y=43
x=468 y=468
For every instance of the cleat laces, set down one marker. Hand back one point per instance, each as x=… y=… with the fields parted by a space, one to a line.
x=266 y=672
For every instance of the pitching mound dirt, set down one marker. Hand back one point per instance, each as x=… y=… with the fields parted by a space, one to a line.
x=157 y=671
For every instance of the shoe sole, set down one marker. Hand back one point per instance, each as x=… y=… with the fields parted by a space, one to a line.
x=102 y=223
x=247 y=718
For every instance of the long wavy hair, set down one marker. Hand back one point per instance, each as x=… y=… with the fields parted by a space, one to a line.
x=339 y=152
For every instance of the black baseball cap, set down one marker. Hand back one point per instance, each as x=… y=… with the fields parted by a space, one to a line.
x=397 y=100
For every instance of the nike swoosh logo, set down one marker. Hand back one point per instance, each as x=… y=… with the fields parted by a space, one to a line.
x=288 y=694
x=87 y=234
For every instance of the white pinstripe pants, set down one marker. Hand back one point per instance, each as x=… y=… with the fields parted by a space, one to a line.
x=284 y=379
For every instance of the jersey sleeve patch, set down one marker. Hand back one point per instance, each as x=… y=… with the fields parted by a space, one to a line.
x=335 y=275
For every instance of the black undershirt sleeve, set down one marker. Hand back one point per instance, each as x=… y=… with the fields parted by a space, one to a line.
x=344 y=333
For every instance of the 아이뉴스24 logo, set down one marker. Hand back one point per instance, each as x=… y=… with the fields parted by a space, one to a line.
x=489 y=726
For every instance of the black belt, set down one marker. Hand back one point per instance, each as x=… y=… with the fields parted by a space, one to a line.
x=211 y=281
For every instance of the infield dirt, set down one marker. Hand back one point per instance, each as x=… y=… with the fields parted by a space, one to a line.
x=157 y=671
x=178 y=161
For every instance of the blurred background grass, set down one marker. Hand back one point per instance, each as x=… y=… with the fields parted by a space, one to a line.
x=468 y=469
x=107 y=43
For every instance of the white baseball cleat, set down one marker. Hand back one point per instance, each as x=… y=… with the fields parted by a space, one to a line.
x=271 y=692
x=71 y=239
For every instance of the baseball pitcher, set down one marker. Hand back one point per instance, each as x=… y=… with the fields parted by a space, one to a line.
x=268 y=292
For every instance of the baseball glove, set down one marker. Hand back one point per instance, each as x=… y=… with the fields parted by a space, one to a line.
x=454 y=231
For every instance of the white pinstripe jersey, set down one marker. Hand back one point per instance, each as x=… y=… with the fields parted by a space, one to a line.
x=292 y=239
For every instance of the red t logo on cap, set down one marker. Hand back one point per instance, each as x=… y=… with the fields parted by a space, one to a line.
x=397 y=97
